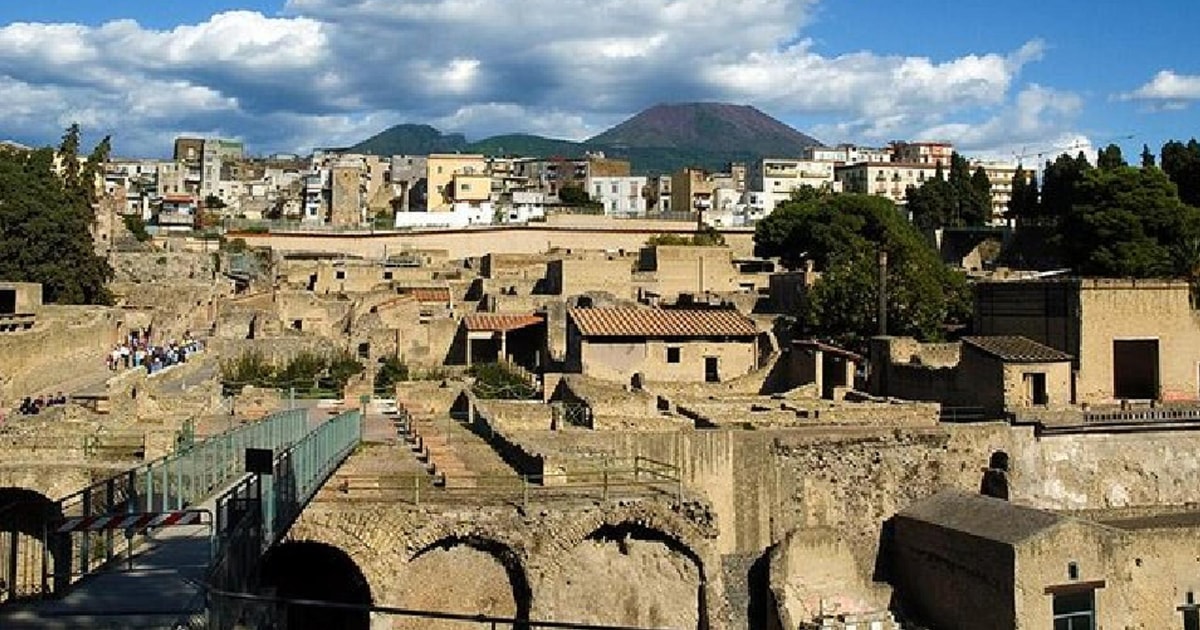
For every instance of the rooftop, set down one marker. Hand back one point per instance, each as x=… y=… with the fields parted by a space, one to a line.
x=653 y=322
x=429 y=294
x=1016 y=349
x=984 y=517
x=500 y=322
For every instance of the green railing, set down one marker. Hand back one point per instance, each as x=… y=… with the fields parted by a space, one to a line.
x=170 y=483
x=254 y=514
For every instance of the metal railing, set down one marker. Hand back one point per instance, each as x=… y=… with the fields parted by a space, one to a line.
x=251 y=516
x=170 y=483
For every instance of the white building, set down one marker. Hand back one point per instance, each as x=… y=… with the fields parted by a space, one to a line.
x=620 y=195
x=780 y=177
x=885 y=179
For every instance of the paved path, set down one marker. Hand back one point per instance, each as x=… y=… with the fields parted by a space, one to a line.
x=161 y=590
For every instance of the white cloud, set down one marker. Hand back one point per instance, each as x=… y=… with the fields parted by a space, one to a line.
x=563 y=68
x=1168 y=90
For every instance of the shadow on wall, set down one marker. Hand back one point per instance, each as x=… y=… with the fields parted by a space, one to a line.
x=316 y=571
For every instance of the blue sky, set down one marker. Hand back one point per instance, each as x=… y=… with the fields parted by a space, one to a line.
x=997 y=78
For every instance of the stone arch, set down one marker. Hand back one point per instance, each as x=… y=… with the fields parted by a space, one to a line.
x=312 y=570
x=644 y=537
x=463 y=554
x=25 y=516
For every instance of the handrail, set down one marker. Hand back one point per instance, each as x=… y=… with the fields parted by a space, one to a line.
x=170 y=483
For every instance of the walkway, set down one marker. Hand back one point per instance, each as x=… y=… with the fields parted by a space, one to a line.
x=163 y=585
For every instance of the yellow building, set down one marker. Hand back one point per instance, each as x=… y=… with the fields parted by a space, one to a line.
x=441 y=169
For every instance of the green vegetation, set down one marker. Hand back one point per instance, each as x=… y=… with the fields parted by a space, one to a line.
x=576 y=196
x=136 y=227
x=843 y=235
x=965 y=199
x=306 y=372
x=1116 y=220
x=45 y=219
x=391 y=371
x=705 y=236
x=498 y=381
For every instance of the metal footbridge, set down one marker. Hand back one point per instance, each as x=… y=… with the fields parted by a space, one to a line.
x=158 y=545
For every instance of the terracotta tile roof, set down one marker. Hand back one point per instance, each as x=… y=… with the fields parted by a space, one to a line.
x=654 y=322
x=1016 y=349
x=430 y=294
x=497 y=322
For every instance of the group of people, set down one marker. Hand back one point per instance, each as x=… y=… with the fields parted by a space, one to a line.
x=138 y=350
x=33 y=406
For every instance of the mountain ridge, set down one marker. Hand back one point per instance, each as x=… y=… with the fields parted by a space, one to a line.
x=659 y=139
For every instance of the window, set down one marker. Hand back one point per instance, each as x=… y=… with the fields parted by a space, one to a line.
x=387 y=275
x=1035 y=388
x=672 y=355
x=1075 y=611
x=340 y=275
x=466 y=186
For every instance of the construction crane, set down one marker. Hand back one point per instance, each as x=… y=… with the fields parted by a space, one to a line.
x=1054 y=151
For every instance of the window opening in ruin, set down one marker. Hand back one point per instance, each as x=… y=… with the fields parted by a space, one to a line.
x=1075 y=611
x=1135 y=369
x=1035 y=388
x=364 y=350
x=8 y=301
x=1191 y=619
x=1072 y=571
x=297 y=324
x=672 y=354
x=340 y=275
x=387 y=275
x=711 y=372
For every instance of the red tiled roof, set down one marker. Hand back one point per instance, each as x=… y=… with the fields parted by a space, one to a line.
x=498 y=322
x=654 y=322
x=430 y=294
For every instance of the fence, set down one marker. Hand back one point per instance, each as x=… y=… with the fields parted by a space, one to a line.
x=171 y=483
x=254 y=513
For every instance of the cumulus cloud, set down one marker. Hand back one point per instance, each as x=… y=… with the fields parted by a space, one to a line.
x=324 y=70
x=1168 y=90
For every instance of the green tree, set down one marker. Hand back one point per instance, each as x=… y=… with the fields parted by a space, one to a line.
x=1147 y=156
x=1023 y=203
x=933 y=204
x=1110 y=158
x=1129 y=222
x=1182 y=164
x=981 y=197
x=45 y=225
x=1060 y=185
x=574 y=196
x=843 y=235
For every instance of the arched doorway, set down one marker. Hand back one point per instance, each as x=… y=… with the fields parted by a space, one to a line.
x=628 y=574
x=25 y=516
x=465 y=575
x=321 y=572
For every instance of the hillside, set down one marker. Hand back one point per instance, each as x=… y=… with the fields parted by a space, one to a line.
x=707 y=127
x=410 y=140
x=661 y=139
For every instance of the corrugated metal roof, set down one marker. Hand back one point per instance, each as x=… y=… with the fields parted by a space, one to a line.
x=500 y=322
x=1017 y=349
x=654 y=322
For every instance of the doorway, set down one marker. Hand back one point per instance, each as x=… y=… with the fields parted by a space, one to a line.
x=1135 y=369
x=712 y=372
x=8 y=301
x=1035 y=388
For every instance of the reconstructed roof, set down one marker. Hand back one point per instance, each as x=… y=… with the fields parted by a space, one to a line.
x=654 y=322
x=1017 y=349
x=500 y=322
x=430 y=294
x=827 y=348
x=984 y=517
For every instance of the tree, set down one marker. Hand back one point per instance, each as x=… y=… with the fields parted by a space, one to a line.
x=45 y=224
x=1182 y=165
x=574 y=196
x=1023 y=202
x=933 y=204
x=1147 y=157
x=1110 y=158
x=981 y=196
x=1129 y=222
x=1060 y=182
x=843 y=234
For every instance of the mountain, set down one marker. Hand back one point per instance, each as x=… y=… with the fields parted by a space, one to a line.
x=706 y=127
x=526 y=145
x=410 y=140
x=659 y=140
